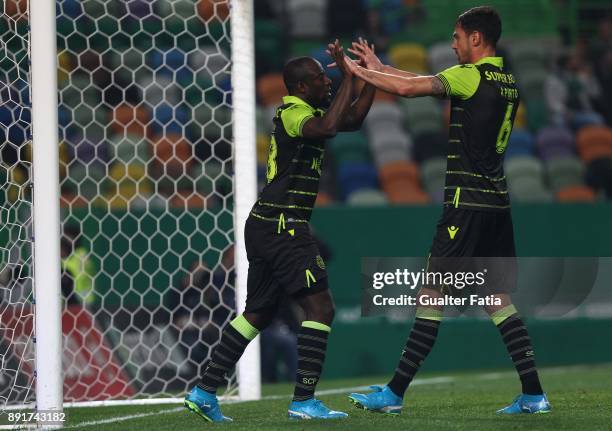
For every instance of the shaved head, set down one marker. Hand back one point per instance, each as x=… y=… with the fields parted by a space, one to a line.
x=299 y=70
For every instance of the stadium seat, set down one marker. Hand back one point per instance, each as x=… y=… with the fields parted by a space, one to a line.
x=271 y=89
x=441 y=57
x=390 y=145
x=531 y=83
x=349 y=147
x=129 y=148
x=367 y=197
x=353 y=176
x=433 y=177
x=422 y=115
x=555 y=142
x=307 y=17
x=576 y=194
x=524 y=167
x=209 y=9
x=382 y=116
x=537 y=115
x=520 y=143
x=525 y=189
x=400 y=182
x=269 y=37
x=564 y=172
x=127 y=118
x=409 y=56
x=594 y=142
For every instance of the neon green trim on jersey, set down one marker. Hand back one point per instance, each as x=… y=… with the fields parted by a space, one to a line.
x=310 y=277
x=304 y=177
x=456 y=198
x=470 y=204
x=495 y=61
x=429 y=313
x=243 y=326
x=295 y=116
x=281 y=223
x=474 y=189
x=500 y=315
x=460 y=81
x=254 y=214
x=300 y=192
x=476 y=175
x=315 y=325
x=273 y=205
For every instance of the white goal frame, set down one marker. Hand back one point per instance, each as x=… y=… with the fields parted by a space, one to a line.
x=48 y=331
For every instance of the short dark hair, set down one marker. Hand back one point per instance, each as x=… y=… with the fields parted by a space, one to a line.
x=295 y=71
x=483 y=19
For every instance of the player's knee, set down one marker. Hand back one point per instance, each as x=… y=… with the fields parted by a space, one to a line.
x=325 y=312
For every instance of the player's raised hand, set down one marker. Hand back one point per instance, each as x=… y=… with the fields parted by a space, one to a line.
x=337 y=53
x=366 y=55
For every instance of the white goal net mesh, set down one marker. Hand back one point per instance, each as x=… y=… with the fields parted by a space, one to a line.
x=146 y=196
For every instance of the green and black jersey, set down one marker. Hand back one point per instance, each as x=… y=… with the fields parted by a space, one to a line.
x=484 y=101
x=294 y=166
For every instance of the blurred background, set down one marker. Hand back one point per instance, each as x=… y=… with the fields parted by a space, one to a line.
x=146 y=168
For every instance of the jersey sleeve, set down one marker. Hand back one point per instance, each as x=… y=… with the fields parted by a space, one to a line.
x=460 y=81
x=294 y=118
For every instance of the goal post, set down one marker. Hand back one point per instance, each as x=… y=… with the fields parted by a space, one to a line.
x=46 y=241
x=245 y=183
x=142 y=174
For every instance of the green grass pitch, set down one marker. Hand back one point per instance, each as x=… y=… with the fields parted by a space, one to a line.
x=580 y=396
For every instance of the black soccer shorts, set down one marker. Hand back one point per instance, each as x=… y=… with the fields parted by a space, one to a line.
x=468 y=241
x=285 y=262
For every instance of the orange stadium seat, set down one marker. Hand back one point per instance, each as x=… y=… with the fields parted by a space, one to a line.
x=271 y=89
x=400 y=182
x=576 y=194
x=594 y=142
x=208 y=9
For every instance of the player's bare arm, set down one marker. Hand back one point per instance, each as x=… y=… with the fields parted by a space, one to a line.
x=361 y=106
x=329 y=124
x=417 y=86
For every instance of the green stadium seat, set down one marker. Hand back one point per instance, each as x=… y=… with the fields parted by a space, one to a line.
x=367 y=197
x=564 y=172
x=433 y=175
x=350 y=147
x=422 y=115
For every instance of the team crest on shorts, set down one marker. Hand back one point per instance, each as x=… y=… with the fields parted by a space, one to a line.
x=320 y=262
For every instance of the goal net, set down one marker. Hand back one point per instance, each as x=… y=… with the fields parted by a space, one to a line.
x=147 y=196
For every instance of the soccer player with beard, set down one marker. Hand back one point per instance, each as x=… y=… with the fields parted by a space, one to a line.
x=476 y=221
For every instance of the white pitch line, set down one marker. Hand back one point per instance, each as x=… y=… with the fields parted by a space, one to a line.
x=429 y=381
x=124 y=418
x=416 y=382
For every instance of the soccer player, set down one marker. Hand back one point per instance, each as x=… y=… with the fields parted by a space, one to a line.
x=283 y=256
x=476 y=219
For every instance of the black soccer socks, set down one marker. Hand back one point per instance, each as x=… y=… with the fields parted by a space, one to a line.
x=517 y=340
x=312 y=345
x=235 y=338
x=419 y=344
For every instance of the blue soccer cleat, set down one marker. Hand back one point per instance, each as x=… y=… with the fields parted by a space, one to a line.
x=205 y=404
x=527 y=404
x=313 y=409
x=382 y=400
